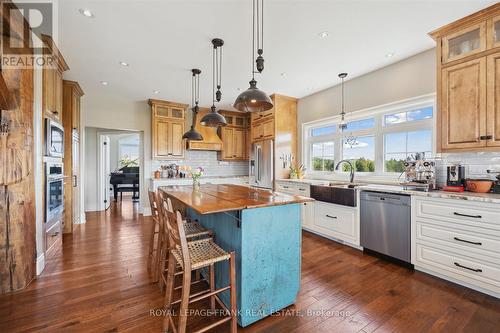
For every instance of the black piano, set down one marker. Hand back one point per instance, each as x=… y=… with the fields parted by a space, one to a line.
x=126 y=180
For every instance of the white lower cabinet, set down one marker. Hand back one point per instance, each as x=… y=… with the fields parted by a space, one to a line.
x=459 y=241
x=307 y=214
x=336 y=221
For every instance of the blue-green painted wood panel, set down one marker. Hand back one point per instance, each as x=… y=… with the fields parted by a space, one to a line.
x=267 y=242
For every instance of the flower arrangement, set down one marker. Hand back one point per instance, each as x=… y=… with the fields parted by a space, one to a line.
x=297 y=172
x=196 y=175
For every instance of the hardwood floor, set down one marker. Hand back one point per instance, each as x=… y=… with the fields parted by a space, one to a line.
x=100 y=284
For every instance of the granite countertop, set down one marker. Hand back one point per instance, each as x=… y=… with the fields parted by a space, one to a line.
x=211 y=198
x=203 y=178
x=470 y=196
x=396 y=188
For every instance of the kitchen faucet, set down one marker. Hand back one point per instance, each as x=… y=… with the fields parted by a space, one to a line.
x=351 y=175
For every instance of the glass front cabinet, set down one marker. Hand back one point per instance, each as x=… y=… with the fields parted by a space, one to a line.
x=464 y=43
x=493 y=32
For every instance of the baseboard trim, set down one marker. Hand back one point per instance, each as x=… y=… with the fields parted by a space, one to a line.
x=40 y=264
x=83 y=219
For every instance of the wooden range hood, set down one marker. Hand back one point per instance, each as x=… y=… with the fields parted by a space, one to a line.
x=211 y=141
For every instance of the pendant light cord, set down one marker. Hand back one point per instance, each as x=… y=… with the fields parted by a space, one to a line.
x=213 y=77
x=253 y=39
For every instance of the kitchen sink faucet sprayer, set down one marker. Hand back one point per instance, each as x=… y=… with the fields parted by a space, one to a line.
x=351 y=175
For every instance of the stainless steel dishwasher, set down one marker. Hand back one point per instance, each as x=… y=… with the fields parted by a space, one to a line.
x=385 y=224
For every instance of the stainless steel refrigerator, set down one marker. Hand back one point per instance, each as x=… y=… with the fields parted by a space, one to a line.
x=261 y=171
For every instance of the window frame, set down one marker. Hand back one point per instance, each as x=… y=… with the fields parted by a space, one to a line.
x=378 y=131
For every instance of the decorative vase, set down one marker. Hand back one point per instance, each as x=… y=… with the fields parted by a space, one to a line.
x=196 y=183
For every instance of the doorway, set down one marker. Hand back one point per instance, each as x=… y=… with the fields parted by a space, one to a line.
x=113 y=168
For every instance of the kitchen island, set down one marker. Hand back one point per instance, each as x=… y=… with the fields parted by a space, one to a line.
x=263 y=228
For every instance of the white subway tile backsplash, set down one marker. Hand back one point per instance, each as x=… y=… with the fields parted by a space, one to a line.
x=475 y=164
x=208 y=160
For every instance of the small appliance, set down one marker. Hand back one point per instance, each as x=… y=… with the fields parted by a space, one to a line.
x=455 y=175
x=54 y=138
x=420 y=174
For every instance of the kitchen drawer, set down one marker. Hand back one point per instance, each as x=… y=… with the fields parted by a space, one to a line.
x=52 y=235
x=286 y=187
x=467 y=242
x=337 y=219
x=460 y=212
x=459 y=267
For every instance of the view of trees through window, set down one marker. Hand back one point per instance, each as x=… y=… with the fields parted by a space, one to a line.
x=401 y=145
x=323 y=156
x=361 y=154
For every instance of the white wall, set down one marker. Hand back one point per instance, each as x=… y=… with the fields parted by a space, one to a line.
x=412 y=77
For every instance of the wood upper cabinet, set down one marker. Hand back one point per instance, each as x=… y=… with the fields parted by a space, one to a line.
x=463 y=43
x=493 y=32
x=52 y=82
x=493 y=100
x=234 y=136
x=167 y=129
x=467 y=83
x=463 y=105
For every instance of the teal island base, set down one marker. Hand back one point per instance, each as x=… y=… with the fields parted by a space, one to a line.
x=267 y=242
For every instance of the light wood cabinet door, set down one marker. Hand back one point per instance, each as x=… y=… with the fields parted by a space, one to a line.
x=176 y=132
x=493 y=100
x=257 y=131
x=463 y=105
x=466 y=42
x=268 y=128
x=239 y=144
x=227 y=143
x=76 y=181
x=161 y=139
x=493 y=32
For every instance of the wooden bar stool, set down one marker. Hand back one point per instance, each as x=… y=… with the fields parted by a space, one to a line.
x=192 y=229
x=154 y=241
x=189 y=256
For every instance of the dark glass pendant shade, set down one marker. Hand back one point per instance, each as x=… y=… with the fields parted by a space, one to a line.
x=213 y=118
x=192 y=135
x=253 y=99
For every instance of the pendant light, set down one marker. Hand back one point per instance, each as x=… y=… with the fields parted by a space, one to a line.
x=253 y=99
x=214 y=118
x=349 y=140
x=192 y=135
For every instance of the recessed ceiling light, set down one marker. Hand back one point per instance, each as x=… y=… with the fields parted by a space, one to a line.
x=389 y=55
x=239 y=89
x=86 y=12
x=156 y=91
x=104 y=83
x=124 y=64
x=323 y=34
x=283 y=74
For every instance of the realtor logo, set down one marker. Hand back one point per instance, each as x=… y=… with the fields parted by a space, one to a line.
x=30 y=29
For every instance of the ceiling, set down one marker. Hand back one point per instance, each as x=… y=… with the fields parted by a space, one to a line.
x=163 y=40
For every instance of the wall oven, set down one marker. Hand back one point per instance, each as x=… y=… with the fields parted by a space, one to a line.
x=54 y=192
x=54 y=138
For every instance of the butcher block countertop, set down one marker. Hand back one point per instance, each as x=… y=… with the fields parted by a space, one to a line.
x=211 y=198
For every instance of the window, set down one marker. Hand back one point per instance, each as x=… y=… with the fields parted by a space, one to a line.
x=323 y=156
x=401 y=145
x=360 y=124
x=323 y=130
x=402 y=117
x=128 y=150
x=361 y=155
x=386 y=136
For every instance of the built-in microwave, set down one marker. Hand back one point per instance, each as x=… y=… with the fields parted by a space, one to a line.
x=54 y=138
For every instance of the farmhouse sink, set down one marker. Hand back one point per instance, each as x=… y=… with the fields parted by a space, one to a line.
x=340 y=194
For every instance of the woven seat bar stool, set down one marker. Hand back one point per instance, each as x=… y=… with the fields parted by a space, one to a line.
x=154 y=241
x=189 y=256
x=192 y=229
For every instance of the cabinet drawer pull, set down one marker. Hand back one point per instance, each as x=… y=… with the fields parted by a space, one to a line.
x=332 y=217
x=466 y=215
x=486 y=137
x=466 y=241
x=302 y=189
x=478 y=270
x=284 y=186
